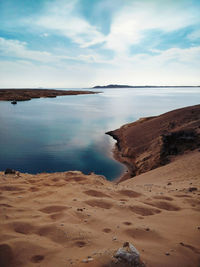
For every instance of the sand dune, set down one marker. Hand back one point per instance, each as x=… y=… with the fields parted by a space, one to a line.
x=61 y=219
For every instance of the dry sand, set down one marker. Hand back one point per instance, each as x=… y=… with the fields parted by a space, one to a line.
x=61 y=219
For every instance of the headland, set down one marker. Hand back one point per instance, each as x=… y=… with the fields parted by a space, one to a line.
x=28 y=94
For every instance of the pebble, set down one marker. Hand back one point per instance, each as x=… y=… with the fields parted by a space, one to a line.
x=114 y=238
x=79 y=209
x=87 y=260
x=167 y=253
x=191 y=189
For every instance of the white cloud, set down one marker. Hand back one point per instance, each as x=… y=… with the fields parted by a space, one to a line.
x=61 y=18
x=20 y=50
x=171 y=67
x=130 y=25
x=15 y=48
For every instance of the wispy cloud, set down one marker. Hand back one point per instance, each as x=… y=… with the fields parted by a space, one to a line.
x=131 y=24
x=17 y=49
x=136 y=42
x=20 y=51
x=60 y=17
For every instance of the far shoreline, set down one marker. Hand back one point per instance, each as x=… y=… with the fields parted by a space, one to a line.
x=28 y=94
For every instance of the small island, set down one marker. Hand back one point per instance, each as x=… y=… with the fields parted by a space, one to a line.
x=15 y=95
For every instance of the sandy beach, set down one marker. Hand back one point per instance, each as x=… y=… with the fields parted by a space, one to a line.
x=72 y=219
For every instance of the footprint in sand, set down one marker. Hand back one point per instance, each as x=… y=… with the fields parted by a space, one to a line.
x=127 y=223
x=53 y=209
x=5 y=205
x=164 y=205
x=107 y=230
x=23 y=228
x=163 y=198
x=11 y=188
x=37 y=258
x=143 y=234
x=80 y=244
x=75 y=179
x=187 y=196
x=6 y=255
x=130 y=193
x=194 y=203
x=99 y=203
x=34 y=189
x=55 y=179
x=56 y=216
x=53 y=233
x=95 y=193
x=144 y=211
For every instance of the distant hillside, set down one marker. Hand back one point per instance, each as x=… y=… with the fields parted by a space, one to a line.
x=113 y=86
x=135 y=86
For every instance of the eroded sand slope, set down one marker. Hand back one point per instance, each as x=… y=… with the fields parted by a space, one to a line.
x=152 y=142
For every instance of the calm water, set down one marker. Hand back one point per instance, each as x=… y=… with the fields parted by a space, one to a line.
x=68 y=133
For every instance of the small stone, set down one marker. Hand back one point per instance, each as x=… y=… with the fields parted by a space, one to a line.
x=198 y=227
x=191 y=189
x=85 y=261
x=114 y=238
x=78 y=209
x=147 y=229
x=167 y=253
x=169 y=183
x=129 y=254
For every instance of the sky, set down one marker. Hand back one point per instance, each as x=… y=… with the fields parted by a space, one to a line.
x=83 y=43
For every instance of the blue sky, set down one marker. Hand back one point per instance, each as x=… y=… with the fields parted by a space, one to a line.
x=82 y=43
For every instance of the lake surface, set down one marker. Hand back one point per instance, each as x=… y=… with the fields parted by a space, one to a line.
x=68 y=132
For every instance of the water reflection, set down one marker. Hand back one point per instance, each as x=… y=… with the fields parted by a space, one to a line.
x=68 y=133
